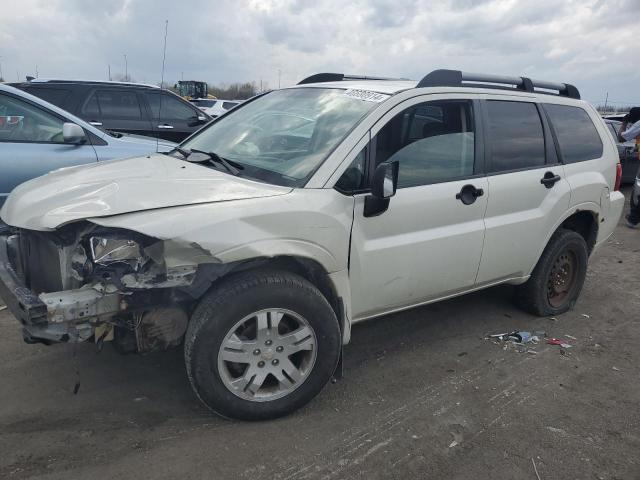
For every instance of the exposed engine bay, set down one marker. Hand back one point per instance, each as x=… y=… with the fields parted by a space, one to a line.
x=106 y=284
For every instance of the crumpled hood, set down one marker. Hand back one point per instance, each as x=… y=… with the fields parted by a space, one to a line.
x=123 y=186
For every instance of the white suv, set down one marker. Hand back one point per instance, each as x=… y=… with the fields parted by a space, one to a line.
x=265 y=236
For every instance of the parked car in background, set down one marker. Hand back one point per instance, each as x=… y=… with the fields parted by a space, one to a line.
x=203 y=103
x=628 y=152
x=215 y=108
x=615 y=116
x=37 y=137
x=122 y=107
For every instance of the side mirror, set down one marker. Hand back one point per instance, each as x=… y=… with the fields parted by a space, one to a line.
x=383 y=187
x=197 y=120
x=72 y=133
x=385 y=180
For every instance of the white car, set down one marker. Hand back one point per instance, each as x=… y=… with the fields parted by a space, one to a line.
x=215 y=108
x=259 y=243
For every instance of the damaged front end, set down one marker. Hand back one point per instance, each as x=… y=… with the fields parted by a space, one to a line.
x=85 y=282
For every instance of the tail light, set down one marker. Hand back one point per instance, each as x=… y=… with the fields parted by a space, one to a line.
x=618 y=177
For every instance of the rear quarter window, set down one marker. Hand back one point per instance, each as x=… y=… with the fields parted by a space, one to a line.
x=578 y=137
x=57 y=96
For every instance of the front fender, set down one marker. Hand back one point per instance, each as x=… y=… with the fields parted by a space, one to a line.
x=308 y=223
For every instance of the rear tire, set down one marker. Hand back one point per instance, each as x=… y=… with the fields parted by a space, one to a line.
x=261 y=345
x=557 y=279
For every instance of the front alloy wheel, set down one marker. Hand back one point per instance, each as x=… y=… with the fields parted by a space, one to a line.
x=267 y=355
x=261 y=344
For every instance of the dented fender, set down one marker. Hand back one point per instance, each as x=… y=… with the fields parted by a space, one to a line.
x=315 y=225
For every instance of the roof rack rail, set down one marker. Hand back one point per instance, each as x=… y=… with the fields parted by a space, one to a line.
x=87 y=82
x=457 y=78
x=339 y=77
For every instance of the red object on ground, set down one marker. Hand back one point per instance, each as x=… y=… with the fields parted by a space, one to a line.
x=555 y=341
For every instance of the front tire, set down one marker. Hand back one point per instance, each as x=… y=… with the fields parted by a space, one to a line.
x=261 y=345
x=557 y=279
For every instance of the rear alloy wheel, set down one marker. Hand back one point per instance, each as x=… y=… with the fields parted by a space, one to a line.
x=261 y=344
x=557 y=279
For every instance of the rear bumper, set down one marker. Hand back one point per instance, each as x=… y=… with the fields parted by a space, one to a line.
x=22 y=302
x=611 y=218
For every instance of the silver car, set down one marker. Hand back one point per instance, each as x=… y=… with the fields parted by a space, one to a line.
x=37 y=137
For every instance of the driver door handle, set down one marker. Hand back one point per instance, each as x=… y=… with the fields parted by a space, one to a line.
x=469 y=193
x=550 y=179
x=165 y=126
x=96 y=124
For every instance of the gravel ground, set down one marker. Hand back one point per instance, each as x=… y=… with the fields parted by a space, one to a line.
x=424 y=396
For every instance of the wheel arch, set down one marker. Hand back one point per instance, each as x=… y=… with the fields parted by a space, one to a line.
x=309 y=269
x=583 y=219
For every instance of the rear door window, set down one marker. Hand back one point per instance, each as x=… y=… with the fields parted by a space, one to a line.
x=516 y=138
x=577 y=135
x=116 y=103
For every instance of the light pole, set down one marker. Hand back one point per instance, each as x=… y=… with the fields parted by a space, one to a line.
x=126 y=69
x=1 y=76
x=279 y=74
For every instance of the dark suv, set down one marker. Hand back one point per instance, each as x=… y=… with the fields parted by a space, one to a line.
x=122 y=107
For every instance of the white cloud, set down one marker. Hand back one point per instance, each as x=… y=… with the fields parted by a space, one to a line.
x=590 y=43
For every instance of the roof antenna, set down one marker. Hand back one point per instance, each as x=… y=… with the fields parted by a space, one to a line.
x=164 y=56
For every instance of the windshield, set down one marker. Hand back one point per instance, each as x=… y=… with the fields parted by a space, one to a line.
x=283 y=136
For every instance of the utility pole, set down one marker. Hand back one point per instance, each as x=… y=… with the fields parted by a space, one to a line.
x=606 y=100
x=126 y=69
x=1 y=77
x=36 y=71
x=109 y=70
x=279 y=75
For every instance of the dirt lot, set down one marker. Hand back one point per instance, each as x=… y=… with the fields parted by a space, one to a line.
x=424 y=396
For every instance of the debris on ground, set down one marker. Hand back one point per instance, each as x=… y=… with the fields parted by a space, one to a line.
x=558 y=341
x=585 y=315
x=570 y=336
x=3 y=307
x=535 y=468
x=615 y=368
x=518 y=340
x=457 y=439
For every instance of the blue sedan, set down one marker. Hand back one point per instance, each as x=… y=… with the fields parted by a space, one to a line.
x=37 y=137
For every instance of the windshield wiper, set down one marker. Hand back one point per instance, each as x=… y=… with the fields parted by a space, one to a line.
x=232 y=167
x=181 y=151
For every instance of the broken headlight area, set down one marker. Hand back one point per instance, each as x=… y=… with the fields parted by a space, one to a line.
x=108 y=255
x=107 y=251
x=101 y=284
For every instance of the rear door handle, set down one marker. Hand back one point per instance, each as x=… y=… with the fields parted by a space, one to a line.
x=468 y=194
x=550 y=179
x=165 y=127
x=96 y=124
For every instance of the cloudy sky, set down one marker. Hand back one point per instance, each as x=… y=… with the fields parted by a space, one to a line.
x=590 y=43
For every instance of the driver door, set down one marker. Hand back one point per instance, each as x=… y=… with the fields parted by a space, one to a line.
x=31 y=143
x=428 y=243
